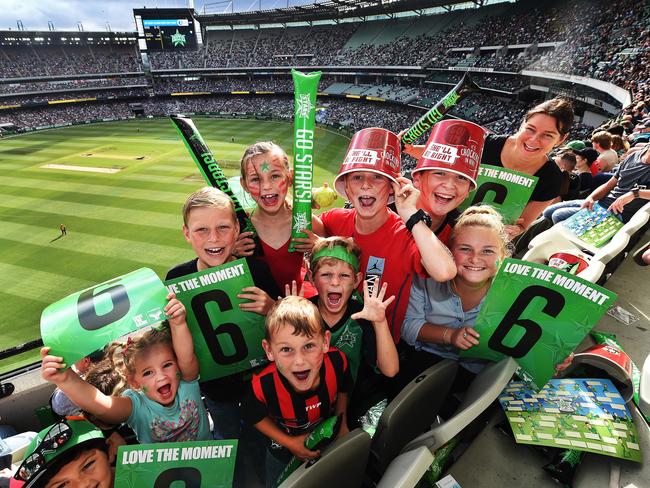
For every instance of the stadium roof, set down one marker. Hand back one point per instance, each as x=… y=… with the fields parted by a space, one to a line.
x=328 y=10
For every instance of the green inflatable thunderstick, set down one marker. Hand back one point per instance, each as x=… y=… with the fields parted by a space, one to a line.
x=464 y=87
x=305 y=88
x=211 y=171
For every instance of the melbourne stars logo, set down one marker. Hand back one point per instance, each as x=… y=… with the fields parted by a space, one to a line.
x=178 y=39
x=346 y=338
x=303 y=106
x=300 y=221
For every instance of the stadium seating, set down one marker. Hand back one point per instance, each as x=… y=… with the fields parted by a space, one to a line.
x=342 y=463
x=407 y=468
x=410 y=413
x=604 y=260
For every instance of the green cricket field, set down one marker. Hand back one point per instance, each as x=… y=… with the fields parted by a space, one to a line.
x=118 y=188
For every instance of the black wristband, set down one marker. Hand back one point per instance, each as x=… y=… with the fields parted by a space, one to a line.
x=419 y=216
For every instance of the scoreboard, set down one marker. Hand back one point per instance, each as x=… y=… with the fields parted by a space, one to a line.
x=166 y=28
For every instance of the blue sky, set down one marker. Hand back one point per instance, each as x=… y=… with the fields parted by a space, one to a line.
x=93 y=14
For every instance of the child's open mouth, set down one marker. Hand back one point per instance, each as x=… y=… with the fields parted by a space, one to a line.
x=301 y=375
x=214 y=251
x=165 y=390
x=334 y=298
x=367 y=201
x=442 y=198
x=270 y=200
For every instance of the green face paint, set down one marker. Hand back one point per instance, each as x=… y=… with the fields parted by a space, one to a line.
x=265 y=167
x=305 y=88
x=144 y=390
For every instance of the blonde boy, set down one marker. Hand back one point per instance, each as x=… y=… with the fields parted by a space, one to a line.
x=306 y=382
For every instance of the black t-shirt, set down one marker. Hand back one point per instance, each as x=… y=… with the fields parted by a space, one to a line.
x=349 y=342
x=549 y=175
x=231 y=388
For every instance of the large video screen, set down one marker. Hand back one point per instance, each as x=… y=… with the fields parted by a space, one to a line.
x=166 y=28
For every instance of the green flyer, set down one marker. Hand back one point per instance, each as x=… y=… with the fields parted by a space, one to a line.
x=586 y=414
x=227 y=340
x=506 y=190
x=199 y=464
x=87 y=320
x=537 y=315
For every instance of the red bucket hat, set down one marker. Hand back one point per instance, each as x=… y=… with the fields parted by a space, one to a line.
x=455 y=146
x=373 y=149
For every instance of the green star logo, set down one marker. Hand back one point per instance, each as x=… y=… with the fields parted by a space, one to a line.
x=265 y=167
x=346 y=338
x=300 y=221
x=304 y=106
x=178 y=39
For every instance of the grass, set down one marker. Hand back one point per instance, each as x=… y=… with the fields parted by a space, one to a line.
x=116 y=222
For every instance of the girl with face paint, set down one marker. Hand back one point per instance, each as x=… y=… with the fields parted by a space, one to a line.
x=265 y=174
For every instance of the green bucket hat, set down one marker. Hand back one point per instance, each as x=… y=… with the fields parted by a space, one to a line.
x=53 y=441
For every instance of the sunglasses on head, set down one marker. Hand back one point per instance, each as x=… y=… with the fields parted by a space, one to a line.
x=58 y=435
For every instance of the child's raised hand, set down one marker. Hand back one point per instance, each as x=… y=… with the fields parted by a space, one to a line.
x=374 y=305
x=464 y=338
x=305 y=244
x=406 y=197
x=293 y=289
x=53 y=368
x=175 y=310
x=260 y=302
x=296 y=445
x=244 y=245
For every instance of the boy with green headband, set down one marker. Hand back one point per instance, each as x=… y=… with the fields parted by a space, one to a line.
x=358 y=329
x=71 y=453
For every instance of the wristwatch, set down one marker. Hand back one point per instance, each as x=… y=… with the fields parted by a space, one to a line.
x=635 y=191
x=419 y=216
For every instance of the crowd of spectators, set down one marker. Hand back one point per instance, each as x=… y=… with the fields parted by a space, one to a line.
x=66 y=114
x=29 y=61
x=599 y=39
x=72 y=95
x=170 y=85
x=40 y=86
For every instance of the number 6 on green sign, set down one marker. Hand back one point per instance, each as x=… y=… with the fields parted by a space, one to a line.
x=89 y=319
x=86 y=321
x=533 y=331
x=211 y=335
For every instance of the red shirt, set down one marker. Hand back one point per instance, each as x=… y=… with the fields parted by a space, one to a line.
x=388 y=254
x=286 y=266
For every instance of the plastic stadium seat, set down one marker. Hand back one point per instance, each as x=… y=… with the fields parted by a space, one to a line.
x=558 y=238
x=342 y=464
x=407 y=469
x=411 y=412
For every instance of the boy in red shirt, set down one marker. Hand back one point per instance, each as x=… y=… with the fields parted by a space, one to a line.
x=393 y=247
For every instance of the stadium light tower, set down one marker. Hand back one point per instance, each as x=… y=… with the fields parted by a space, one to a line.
x=19 y=24
x=80 y=26
x=50 y=26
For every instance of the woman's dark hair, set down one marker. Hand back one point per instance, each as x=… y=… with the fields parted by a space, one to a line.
x=559 y=108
